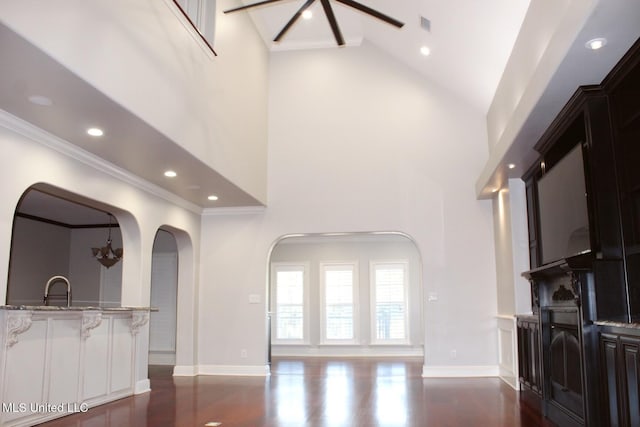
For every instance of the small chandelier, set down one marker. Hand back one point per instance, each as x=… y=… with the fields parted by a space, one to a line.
x=106 y=255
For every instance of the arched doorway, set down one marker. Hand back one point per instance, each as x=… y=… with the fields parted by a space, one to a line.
x=58 y=232
x=345 y=294
x=164 y=291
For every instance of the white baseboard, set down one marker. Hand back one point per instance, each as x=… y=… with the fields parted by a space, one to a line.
x=142 y=386
x=510 y=379
x=459 y=371
x=237 y=370
x=185 y=371
x=346 y=351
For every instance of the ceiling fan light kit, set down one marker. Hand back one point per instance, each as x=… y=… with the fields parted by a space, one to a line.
x=328 y=11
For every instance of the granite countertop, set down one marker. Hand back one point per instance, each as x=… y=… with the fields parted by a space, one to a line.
x=73 y=308
x=617 y=324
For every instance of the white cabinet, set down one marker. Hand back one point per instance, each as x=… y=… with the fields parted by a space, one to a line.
x=56 y=362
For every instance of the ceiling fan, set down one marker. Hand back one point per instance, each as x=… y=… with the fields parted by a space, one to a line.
x=328 y=10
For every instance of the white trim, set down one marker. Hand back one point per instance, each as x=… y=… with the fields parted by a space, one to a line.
x=355 y=284
x=372 y=303
x=510 y=381
x=235 y=370
x=142 y=386
x=459 y=371
x=185 y=371
x=506 y=316
x=70 y=150
x=198 y=21
x=347 y=351
x=234 y=210
x=508 y=370
x=291 y=266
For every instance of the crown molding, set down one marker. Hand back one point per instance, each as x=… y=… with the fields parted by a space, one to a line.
x=36 y=134
x=234 y=210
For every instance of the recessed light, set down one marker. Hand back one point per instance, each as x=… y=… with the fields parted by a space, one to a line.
x=170 y=174
x=425 y=51
x=595 y=44
x=511 y=166
x=95 y=131
x=307 y=14
x=40 y=100
x=213 y=197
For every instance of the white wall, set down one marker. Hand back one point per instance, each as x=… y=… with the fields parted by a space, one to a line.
x=512 y=258
x=512 y=249
x=31 y=156
x=86 y=274
x=39 y=251
x=144 y=55
x=164 y=242
x=363 y=250
x=358 y=142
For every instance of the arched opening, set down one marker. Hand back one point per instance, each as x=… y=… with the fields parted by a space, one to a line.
x=164 y=294
x=345 y=294
x=56 y=233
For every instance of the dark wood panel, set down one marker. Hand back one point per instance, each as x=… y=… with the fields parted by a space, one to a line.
x=620 y=370
x=630 y=350
x=529 y=361
x=609 y=355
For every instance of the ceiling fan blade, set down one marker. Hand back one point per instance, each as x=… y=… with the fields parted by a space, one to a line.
x=332 y=21
x=293 y=20
x=372 y=12
x=248 y=6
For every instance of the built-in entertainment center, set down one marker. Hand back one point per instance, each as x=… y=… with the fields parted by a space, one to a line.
x=579 y=352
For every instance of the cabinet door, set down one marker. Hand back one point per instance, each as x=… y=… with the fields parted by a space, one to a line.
x=523 y=352
x=610 y=367
x=529 y=355
x=620 y=365
x=536 y=360
x=630 y=347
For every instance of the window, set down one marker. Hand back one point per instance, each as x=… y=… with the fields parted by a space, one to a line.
x=389 y=285
x=202 y=15
x=339 y=296
x=290 y=302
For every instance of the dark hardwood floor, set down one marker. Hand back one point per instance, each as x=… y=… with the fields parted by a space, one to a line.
x=317 y=392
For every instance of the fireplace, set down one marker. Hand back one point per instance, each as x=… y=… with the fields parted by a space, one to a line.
x=568 y=341
x=565 y=362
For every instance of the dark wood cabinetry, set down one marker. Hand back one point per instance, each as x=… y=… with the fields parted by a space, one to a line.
x=567 y=340
x=620 y=360
x=623 y=85
x=589 y=370
x=529 y=351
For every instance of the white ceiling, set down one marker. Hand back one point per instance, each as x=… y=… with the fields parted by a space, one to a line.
x=470 y=40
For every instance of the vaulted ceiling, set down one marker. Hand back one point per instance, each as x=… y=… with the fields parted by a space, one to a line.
x=469 y=40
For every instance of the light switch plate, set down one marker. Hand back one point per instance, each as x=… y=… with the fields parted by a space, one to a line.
x=254 y=299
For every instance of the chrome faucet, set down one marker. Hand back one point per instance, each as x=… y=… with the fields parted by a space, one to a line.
x=53 y=280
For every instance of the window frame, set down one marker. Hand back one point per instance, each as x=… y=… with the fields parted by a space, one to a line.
x=290 y=266
x=355 y=303
x=373 y=301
